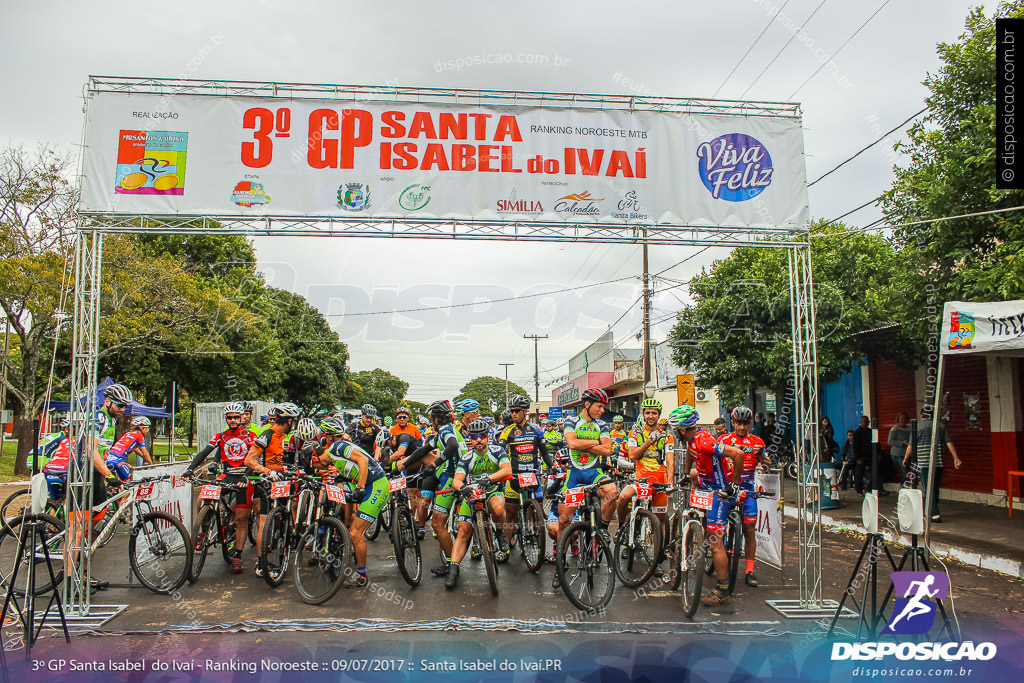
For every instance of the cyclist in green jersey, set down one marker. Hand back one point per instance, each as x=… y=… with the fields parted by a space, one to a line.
x=469 y=410
x=484 y=465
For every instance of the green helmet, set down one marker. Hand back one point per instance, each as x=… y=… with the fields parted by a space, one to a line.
x=388 y=421
x=684 y=416
x=618 y=419
x=651 y=403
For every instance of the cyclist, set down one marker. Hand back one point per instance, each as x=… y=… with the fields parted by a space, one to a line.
x=487 y=464
x=307 y=432
x=753 y=454
x=651 y=449
x=247 y=419
x=526 y=448
x=619 y=434
x=552 y=437
x=53 y=460
x=266 y=457
x=589 y=442
x=116 y=398
x=407 y=439
x=117 y=456
x=720 y=427
x=232 y=445
x=368 y=489
x=469 y=410
x=716 y=465
x=363 y=432
x=445 y=450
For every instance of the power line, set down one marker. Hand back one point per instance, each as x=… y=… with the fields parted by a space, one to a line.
x=760 y=35
x=617 y=321
x=777 y=54
x=866 y=148
x=925 y=221
x=833 y=55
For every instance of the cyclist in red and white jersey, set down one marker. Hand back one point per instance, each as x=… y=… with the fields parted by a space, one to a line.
x=753 y=453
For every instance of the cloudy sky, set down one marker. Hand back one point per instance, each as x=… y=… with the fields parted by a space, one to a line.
x=731 y=49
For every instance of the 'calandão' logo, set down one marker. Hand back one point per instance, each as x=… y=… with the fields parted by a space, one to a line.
x=734 y=167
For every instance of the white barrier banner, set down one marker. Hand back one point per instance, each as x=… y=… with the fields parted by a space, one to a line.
x=173 y=496
x=769 y=520
x=252 y=157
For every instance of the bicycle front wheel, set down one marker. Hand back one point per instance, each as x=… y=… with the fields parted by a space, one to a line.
x=407 y=546
x=482 y=530
x=636 y=555
x=276 y=546
x=734 y=550
x=204 y=535
x=160 y=552
x=532 y=535
x=229 y=534
x=691 y=567
x=14 y=504
x=323 y=553
x=585 y=568
x=673 y=550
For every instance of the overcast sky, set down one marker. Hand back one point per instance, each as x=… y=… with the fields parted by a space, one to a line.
x=675 y=49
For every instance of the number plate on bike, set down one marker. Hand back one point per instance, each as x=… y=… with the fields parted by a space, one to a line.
x=574 y=497
x=144 y=491
x=209 y=492
x=643 y=490
x=701 y=499
x=335 y=494
x=396 y=484
x=528 y=479
x=280 y=489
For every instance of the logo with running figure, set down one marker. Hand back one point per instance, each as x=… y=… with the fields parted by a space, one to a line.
x=917 y=594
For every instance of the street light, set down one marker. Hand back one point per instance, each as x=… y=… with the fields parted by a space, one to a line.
x=649 y=389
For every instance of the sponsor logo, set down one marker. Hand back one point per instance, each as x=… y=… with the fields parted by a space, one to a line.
x=524 y=448
x=515 y=204
x=947 y=652
x=414 y=197
x=151 y=162
x=914 y=612
x=629 y=208
x=235 y=449
x=352 y=196
x=248 y=193
x=961 y=330
x=578 y=204
x=734 y=167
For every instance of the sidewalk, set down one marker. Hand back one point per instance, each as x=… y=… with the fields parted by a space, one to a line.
x=972 y=533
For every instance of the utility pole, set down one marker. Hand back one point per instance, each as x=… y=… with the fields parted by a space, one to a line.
x=536 y=365
x=647 y=318
x=506 y=381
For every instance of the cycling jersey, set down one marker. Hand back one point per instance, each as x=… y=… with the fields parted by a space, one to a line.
x=232 y=445
x=342 y=453
x=746 y=444
x=271 y=444
x=363 y=435
x=106 y=429
x=553 y=440
x=124 y=446
x=55 y=454
x=654 y=458
x=714 y=470
x=490 y=461
x=525 y=447
x=618 y=437
x=410 y=429
x=589 y=431
x=444 y=434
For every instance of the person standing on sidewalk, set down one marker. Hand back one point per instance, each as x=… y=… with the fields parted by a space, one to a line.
x=932 y=478
x=862 y=454
x=899 y=440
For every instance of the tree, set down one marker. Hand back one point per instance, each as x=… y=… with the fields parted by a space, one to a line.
x=489 y=391
x=951 y=171
x=379 y=388
x=737 y=333
x=415 y=407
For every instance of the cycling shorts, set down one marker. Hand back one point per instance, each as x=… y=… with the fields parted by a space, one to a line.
x=749 y=504
x=718 y=515
x=243 y=495
x=659 y=502
x=579 y=478
x=56 y=485
x=466 y=513
x=121 y=468
x=375 y=497
x=443 y=501
x=512 y=489
x=553 y=515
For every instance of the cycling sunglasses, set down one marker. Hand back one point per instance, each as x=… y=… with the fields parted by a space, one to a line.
x=477 y=437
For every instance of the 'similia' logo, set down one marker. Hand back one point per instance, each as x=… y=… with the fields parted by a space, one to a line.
x=578 y=204
x=414 y=197
x=961 y=330
x=914 y=612
x=352 y=197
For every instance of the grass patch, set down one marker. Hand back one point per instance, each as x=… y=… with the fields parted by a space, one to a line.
x=11 y=450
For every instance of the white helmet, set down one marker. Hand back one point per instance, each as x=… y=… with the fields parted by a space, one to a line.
x=307 y=429
x=382 y=437
x=119 y=393
x=140 y=421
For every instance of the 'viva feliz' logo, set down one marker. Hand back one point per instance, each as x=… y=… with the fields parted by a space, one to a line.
x=734 y=167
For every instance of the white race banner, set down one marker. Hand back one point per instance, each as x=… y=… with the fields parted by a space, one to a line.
x=769 y=520
x=173 y=496
x=979 y=327
x=242 y=156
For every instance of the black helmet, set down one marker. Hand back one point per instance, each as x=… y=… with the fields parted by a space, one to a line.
x=519 y=401
x=506 y=417
x=478 y=427
x=595 y=396
x=441 y=408
x=742 y=414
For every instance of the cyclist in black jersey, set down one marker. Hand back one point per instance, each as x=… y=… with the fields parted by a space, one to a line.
x=526 y=450
x=363 y=432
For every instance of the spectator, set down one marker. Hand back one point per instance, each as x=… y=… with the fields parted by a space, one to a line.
x=899 y=440
x=846 y=457
x=934 y=478
x=720 y=428
x=771 y=437
x=862 y=454
x=757 y=429
x=827 y=446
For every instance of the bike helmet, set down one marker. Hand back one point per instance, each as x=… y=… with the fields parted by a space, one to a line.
x=684 y=416
x=422 y=420
x=307 y=430
x=560 y=422
x=478 y=427
x=119 y=393
x=284 y=410
x=234 y=408
x=141 y=421
x=651 y=403
x=618 y=419
x=388 y=421
x=402 y=410
x=382 y=438
x=249 y=407
x=369 y=410
x=595 y=396
x=467 y=405
x=332 y=426
x=519 y=401
x=742 y=414
x=441 y=408
x=65 y=422
x=506 y=417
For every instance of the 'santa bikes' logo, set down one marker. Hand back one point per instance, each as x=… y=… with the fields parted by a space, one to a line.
x=734 y=167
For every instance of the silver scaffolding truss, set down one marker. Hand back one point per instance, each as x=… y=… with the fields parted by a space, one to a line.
x=796 y=241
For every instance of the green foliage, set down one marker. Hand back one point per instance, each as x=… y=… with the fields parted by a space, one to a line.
x=489 y=391
x=415 y=407
x=379 y=388
x=951 y=171
x=738 y=334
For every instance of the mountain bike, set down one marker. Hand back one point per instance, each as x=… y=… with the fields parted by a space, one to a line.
x=215 y=522
x=583 y=559
x=484 y=533
x=403 y=531
x=530 y=532
x=324 y=550
x=294 y=507
x=638 y=543
x=734 y=531
x=689 y=550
